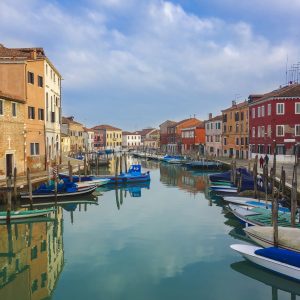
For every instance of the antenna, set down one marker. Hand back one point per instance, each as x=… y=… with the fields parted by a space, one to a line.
x=286 y=69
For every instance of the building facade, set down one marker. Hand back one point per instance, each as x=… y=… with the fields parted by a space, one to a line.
x=174 y=134
x=275 y=122
x=52 y=112
x=88 y=139
x=213 y=132
x=193 y=139
x=108 y=137
x=12 y=142
x=75 y=131
x=131 y=140
x=152 y=139
x=235 y=132
x=163 y=133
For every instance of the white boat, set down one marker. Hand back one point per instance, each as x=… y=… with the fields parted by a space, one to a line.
x=252 y=202
x=241 y=211
x=288 y=237
x=272 y=259
x=96 y=182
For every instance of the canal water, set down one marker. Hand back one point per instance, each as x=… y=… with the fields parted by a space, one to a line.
x=163 y=240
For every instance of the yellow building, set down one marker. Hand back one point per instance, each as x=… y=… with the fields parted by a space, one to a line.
x=109 y=137
x=235 y=132
x=75 y=131
x=65 y=144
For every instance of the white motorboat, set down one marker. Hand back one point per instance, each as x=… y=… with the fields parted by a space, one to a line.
x=252 y=202
x=288 y=237
x=281 y=261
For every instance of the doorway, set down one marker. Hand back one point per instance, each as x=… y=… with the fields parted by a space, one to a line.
x=9 y=164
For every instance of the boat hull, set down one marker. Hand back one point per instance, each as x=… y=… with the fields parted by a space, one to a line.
x=248 y=252
x=26 y=214
x=83 y=191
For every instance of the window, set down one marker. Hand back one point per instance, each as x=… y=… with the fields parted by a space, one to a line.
x=269 y=130
x=279 y=130
x=41 y=114
x=225 y=141
x=242 y=116
x=40 y=81
x=280 y=108
x=297 y=108
x=297 y=130
x=34 y=148
x=1 y=107
x=237 y=141
x=253 y=132
x=31 y=112
x=269 y=109
x=34 y=253
x=47 y=105
x=263 y=111
x=258 y=131
x=280 y=149
x=262 y=131
x=30 y=78
x=258 y=112
x=242 y=141
x=14 y=109
x=253 y=113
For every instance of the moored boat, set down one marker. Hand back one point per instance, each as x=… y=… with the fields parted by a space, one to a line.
x=288 y=237
x=281 y=261
x=24 y=214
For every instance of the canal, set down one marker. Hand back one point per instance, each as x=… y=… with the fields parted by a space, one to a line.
x=164 y=240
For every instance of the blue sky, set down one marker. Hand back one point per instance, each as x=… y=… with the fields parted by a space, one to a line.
x=136 y=63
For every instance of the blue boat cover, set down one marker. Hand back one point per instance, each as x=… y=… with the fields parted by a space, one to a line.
x=134 y=169
x=282 y=255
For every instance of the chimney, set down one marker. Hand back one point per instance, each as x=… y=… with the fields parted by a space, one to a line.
x=233 y=103
x=210 y=116
x=33 y=54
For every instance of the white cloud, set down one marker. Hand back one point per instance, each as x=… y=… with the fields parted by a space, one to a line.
x=152 y=52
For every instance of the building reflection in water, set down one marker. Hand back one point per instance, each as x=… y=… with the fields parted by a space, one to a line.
x=31 y=257
x=174 y=175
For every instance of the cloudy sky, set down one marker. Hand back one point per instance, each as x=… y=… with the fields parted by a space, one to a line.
x=136 y=63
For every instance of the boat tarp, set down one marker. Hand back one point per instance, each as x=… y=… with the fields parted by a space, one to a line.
x=282 y=255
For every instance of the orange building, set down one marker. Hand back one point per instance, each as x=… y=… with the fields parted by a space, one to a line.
x=174 y=134
x=193 y=138
x=235 y=132
x=22 y=77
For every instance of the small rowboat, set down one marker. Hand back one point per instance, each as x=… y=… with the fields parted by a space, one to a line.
x=24 y=214
x=251 y=202
x=288 y=237
x=281 y=261
x=71 y=193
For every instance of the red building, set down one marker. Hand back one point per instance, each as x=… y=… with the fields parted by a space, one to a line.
x=193 y=138
x=275 y=120
x=174 y=134
x=163 y=132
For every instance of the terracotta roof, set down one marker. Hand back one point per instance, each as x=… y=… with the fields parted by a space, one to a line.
x=183 y=121
x=200 y=124
x=68 y=120
x=292 y=90
x=21 y=53
x=106 y=127
x=237 y=106
x=130 y=133
x=216 y=118
x=11 y=97
x=145 y=131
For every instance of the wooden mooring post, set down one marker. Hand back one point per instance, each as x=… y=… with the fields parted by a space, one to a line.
x=15 y=185
x=70 y=171
x=29 y=184
x=79 y=173
x=265 y=174
x=9 y=189
x=294 y=197
x=125 y=159
x=255 y=176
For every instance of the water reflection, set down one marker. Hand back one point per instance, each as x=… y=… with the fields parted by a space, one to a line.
x=275 y=282
x=173 y=175
x=31 y=258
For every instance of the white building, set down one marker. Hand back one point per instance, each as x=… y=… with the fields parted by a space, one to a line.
x=213 y=135
x=131 y=140
x=52 y=112
x=88 y=139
